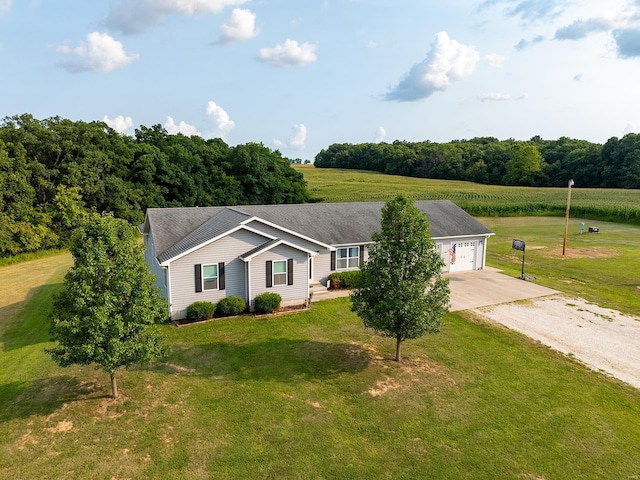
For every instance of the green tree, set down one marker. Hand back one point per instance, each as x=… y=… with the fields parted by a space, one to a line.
x=526 y=165
x=400 y=293
x=104 y=313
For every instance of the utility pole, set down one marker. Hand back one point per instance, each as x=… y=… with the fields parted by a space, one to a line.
x=566 y=218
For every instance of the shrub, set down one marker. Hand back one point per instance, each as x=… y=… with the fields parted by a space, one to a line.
x=232 y=305
x=200 y=310
x=267 y=302
x=347 y=279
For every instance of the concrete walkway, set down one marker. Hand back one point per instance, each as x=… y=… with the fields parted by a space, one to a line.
x=477 y=288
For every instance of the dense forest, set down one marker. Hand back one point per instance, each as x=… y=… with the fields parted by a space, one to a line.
x=54 y=171
x=538 y=162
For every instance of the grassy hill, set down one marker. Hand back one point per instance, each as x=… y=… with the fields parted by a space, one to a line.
x=337 y=185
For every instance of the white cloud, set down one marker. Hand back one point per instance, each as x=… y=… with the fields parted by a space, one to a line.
x=494 y=60
x=223 y=124
x=530 y=10
x=184 y=128
x=296 y=140
x=494 y=97
x=522 y=44
x=627 y=42
x=241 y=26
x=371 y=44
x=381 y=134
x=581 y=28
x=98 y=53
x=120 y=123
x=291 y=53
x=134 y=16
x=446 y=62
x=5 y=5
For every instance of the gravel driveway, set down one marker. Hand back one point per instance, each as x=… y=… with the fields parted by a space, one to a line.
x=602 y=339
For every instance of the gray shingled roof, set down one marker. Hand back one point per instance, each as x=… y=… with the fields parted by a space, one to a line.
x=259 y=248
x=176 y=230
x=219 y=223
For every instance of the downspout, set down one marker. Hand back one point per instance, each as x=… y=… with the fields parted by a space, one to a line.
x=484 y=252
x=249 y=284
x=168 y=286
x=309 y=277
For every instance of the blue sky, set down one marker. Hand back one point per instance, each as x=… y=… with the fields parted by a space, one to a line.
x=299 y=76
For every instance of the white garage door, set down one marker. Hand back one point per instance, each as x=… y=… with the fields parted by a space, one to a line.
x=462 y=256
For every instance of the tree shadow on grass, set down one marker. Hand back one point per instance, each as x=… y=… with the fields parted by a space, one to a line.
x=280 y=359
x=28 y=322
x=44 y=396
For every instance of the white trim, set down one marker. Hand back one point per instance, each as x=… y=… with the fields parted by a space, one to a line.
x=168 y=289
x=347 y=258
x=484 y=253
x=286 y=273
x=279 y=242
x=286 y=230
x=356 y=244
x=248 y=279
x=478 y=235
x=217 y=277
x=310 y=275
x=222 y=235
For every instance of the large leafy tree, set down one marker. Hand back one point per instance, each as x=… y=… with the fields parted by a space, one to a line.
x=105 y=313
x=401 y=293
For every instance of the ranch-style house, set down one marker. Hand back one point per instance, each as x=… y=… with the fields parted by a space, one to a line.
x=207 y=253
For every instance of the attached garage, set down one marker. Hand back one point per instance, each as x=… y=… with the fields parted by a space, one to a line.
x=463 y=256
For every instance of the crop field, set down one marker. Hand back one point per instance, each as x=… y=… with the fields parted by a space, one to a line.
x=339 y=185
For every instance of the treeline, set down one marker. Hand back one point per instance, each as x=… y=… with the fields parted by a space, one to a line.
x=487 y=160
x=54 y=171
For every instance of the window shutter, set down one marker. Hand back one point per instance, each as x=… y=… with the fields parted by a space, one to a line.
x=290 y=271
x=361 y=261
x=198 y=272
x=333 y=260
x=221 y=283
x=269 y=274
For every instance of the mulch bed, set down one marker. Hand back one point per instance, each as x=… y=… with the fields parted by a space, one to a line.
x=281 y=311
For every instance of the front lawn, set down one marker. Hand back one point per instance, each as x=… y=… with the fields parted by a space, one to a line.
x=310 y=395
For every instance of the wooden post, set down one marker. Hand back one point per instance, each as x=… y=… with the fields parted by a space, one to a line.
x=566 y=219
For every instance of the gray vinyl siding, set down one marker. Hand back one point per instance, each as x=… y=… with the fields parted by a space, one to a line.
x=322 y=267
x=295 y=294
x=226 y=250
x=152 y=261
x=322 y=264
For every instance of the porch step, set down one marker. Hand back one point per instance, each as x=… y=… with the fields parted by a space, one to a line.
x=316 y=289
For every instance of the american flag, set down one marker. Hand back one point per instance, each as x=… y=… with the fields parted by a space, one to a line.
x=452 y=254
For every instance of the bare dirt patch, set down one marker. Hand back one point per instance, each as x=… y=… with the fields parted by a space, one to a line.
x=63 y=426
x=383 y=386
x=591 y=252
x=604 y=340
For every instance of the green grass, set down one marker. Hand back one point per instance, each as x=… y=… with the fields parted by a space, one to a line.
x=603 y=267
x=310 y=395
x=339 y=185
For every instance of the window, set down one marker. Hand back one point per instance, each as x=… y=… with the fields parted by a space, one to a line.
x=280 y=272
x=348 y=257
x=210 y=277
